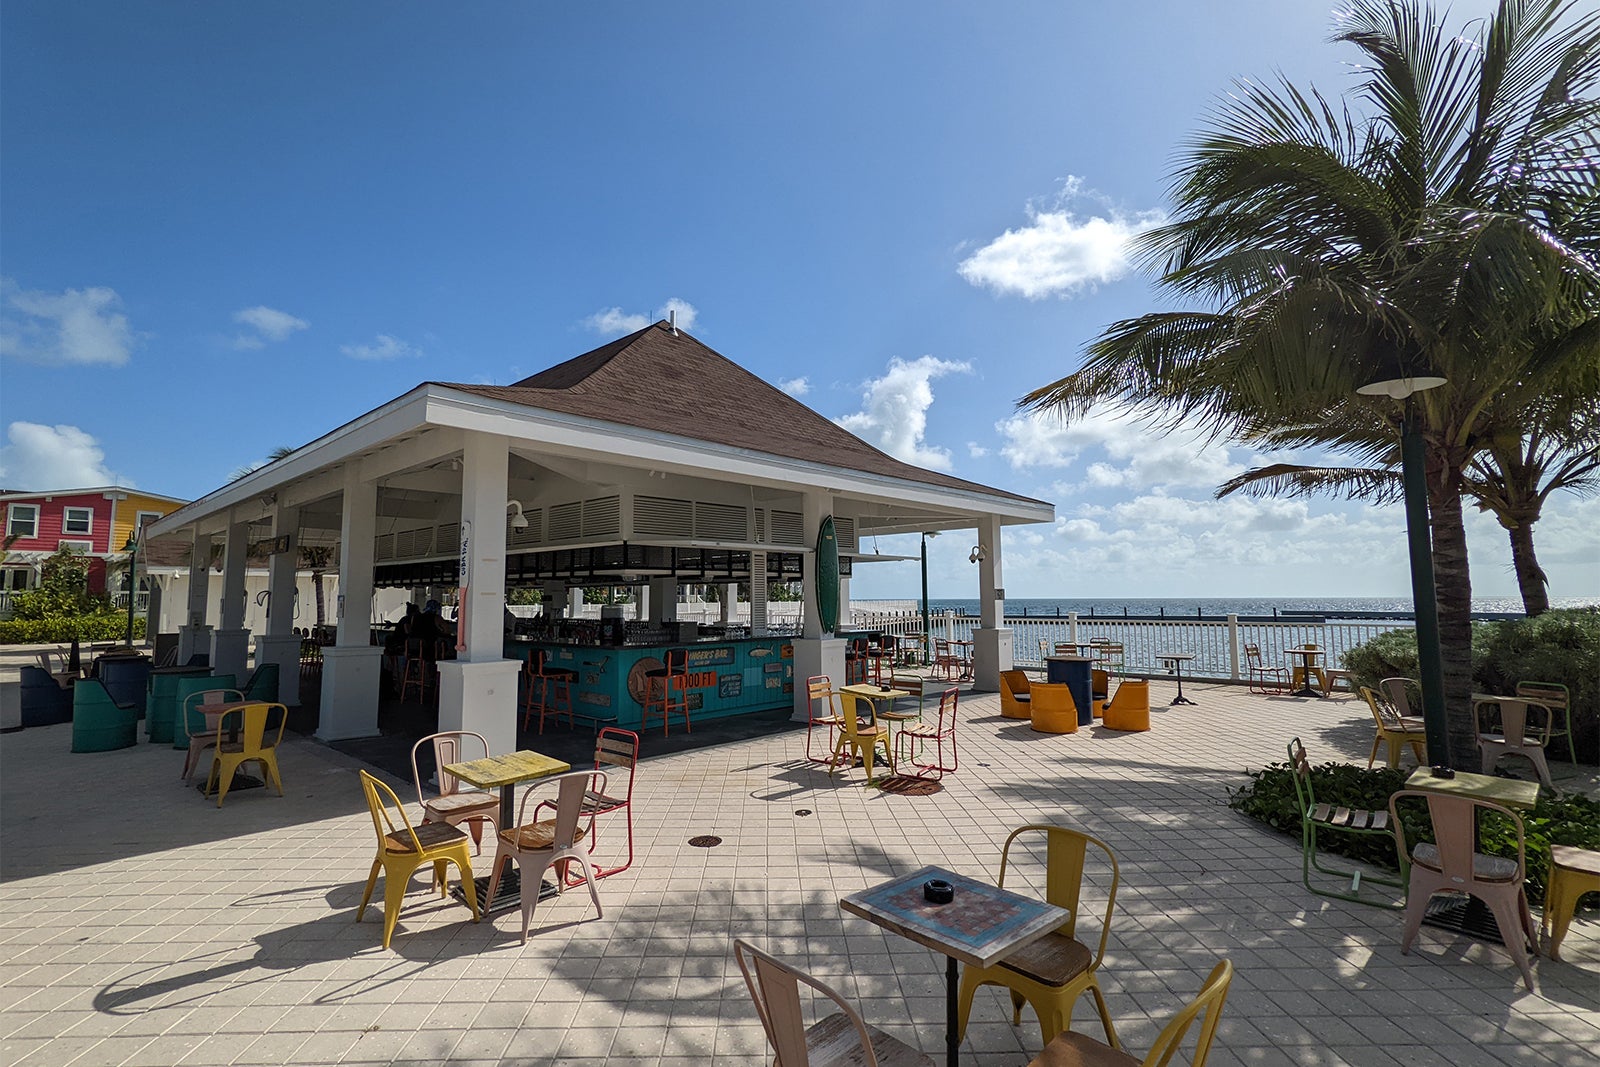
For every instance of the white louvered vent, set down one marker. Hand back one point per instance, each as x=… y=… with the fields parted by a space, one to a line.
x=656 y=516
x=413 y=544
x=566 y=522
x=448 y=540
x=602 y=517
x=531 y=534
x=788 y=528
x=845 y=531
x=720 y=522
x=760 y=525
x=383 y=547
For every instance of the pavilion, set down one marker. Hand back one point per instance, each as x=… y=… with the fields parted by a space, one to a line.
x=649 y=461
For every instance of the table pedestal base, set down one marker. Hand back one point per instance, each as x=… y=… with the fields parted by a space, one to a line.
x=1463 y=914
x=510 y=895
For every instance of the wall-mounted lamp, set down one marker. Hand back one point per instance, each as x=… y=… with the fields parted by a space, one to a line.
x=978 y=554
x=269 y=500
x=518 y=521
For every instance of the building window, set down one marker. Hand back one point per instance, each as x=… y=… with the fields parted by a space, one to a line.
x=16 y=579
x=22 y=520
x=82 y=548
x=77 y=520
x=144 y=518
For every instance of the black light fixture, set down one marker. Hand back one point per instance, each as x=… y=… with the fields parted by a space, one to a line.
x=978 y=554
x=1398 y=377
x=132 y=549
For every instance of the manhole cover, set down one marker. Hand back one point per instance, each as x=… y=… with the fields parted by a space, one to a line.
x=906 y=786
x=705 y=841
x=802 y=811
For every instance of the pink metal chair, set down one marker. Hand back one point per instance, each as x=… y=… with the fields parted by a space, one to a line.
x=1515 y=737
x=921 y=734
x=1454 y=865
x=455 y=805
x=537 y=846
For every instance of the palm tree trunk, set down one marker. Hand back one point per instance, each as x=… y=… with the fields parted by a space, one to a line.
x=1453 y=589
x=1531 y=579
x=316 y=583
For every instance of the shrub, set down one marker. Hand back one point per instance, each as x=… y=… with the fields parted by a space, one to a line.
x=103 y=627
x=1557 y=819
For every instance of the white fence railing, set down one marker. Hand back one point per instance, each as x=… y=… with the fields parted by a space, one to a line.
x=1216 y=644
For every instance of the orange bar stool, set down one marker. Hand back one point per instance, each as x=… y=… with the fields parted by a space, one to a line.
x=418 y=671
x=549 y=690
x=668 y=692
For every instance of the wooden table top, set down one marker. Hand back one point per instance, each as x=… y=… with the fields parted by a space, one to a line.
x=873 y=692
x=495 y=771
x=980 y=926
x=1511 y=792
x=1307 y=652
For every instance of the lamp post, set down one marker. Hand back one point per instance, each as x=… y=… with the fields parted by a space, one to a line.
x=1396 y=383
x=132 y=549
x=926 y=636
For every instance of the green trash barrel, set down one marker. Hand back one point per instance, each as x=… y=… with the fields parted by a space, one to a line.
x=161 y=701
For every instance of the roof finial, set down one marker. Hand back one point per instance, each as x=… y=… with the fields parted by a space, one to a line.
x=672 y=320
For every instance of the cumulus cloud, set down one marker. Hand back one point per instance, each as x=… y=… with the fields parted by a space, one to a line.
x=613 y=321
x=75 y=327
x=975 y=450
x=53 y=457
x=795 y=387
x=383 y=347
x=269 y=324
x=1139 y=456
x=1060 y=252
x=895 y=415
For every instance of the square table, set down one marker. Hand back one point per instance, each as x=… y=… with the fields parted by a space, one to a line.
x=505 y=772
x=980 y=926
x=1308 y=663
x=1174 y=662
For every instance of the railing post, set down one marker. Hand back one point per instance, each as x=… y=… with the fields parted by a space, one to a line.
x=1072 y=630
x=1233 y=646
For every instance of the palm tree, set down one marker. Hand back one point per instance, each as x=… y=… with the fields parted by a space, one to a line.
x=1432 y=233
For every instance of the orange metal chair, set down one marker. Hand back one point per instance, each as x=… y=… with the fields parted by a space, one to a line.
x=402 y=849
x=251 y=723
x=919 y=735
x=1016 y=695
x=537 y=846
x=1394 y=731
x=1078 y=1050
x=1052 y=973
x=1051 y=708
x=834 y=1041
x=455 y=805
x=1454 y=866
x=668 y=692
x=857 y=740
x=820 y=692
x=419 y=669
x=549 y=690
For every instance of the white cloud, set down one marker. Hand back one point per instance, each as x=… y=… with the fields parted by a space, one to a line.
x=975 y=450
x=53 y=457
x=383 y=347
x=270 y=324
x=795 y=387
x=1059 y=253
x=613 y=321
x=76 y=327
x=1141 y=456
x=896 y=413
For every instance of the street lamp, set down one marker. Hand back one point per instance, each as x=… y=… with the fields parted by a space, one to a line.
x=927 y=637
x=1396 y=381
x=132 y=549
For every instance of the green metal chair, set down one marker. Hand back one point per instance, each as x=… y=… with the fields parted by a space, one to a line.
x=1315 y=817
x=1557 y=698
x=100 y=724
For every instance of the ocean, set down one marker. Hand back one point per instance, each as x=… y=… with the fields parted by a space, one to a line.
x=1331 y=607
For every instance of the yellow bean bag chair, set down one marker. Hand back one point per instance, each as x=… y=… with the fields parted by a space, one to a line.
x=1130 y=707
x=1014 y=698
x=1053 y=710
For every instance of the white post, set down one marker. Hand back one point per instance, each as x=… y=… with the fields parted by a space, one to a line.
x=194 y=636
x=992 y=641
x=1233 y=646
x=279 y=644
x=663 y=600
x=1072 y=627
x=230 y=644
x=350 y=668
x=478 y=690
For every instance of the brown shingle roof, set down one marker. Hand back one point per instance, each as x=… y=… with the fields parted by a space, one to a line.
x=669 y=382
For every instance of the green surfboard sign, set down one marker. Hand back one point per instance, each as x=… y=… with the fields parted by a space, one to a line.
x=827 y=576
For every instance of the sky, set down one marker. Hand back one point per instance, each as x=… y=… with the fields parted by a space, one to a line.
x=226 y=228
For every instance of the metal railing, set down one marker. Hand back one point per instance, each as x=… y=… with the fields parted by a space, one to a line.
x=1217 y=644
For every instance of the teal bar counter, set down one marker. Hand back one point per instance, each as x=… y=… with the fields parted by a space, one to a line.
x=725 y=677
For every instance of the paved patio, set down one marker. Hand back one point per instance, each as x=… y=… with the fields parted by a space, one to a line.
x=142 y=925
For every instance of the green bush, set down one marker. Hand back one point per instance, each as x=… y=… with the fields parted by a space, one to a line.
x=103 y=627
x=1557 y=819
x=1558 y=646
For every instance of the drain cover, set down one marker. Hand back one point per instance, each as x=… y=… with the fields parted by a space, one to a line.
x=906 y=786
x=705 y=841
x=802 y=811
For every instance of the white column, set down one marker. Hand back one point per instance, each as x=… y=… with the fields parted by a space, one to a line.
x=279 y=644
x=350 y=668
x=194 y=636
x=815 y=652
x=478 y=689
x=663 y=600
x=730 y=597
x=230 y=644
x=991 y=642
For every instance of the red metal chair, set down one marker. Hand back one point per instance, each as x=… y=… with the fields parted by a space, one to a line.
x=668 y=692
x=615 y=750
x=944 y=731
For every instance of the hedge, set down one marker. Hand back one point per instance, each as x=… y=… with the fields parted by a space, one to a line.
x=59 y=630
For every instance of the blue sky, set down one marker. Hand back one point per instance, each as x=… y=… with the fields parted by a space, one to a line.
x=226 y=228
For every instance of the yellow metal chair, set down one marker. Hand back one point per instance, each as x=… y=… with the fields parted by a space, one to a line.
x=1053 y=972
x=1052 y=709
x=1078 y=1050
x=251 y=723
x=1129 y=709
x=1014 y=695
x=1305 y=669
x=404 y=848
x=857 y=740
x=1394 y=731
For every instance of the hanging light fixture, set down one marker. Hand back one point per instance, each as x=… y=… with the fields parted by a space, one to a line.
x=978 y=554
x=518 y=521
